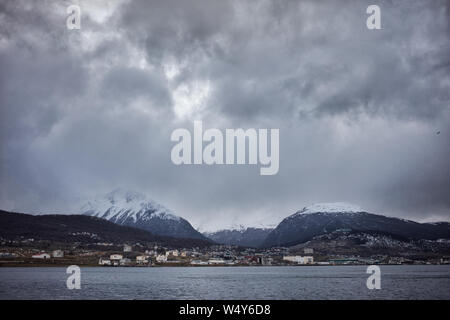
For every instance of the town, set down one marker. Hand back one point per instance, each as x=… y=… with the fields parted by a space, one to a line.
x=28 y=252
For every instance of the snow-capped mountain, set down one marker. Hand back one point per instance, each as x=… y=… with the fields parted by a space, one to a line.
x=136 y=210
x=325 y=218
x=240 y=236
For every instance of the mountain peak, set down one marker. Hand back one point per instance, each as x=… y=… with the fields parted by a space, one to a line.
x=331 y=207
x=134 y=209
x=121 y=204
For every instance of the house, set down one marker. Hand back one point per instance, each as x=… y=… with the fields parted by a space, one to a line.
x=445 y=260
x=299 y=259
x=41 y=256
x=266 y=261
x=115 y=257
x=104 y=262
x=308 y=251
x=58 y=254
x=142 y=259
x=161 y=258
x=127 y=248
x=173 y=253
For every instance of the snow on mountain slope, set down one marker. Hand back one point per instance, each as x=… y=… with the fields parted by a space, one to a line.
x=120 y=204
x=137 y=210
x=325 y=218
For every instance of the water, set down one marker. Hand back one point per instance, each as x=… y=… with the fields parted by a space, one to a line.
x=312 y=282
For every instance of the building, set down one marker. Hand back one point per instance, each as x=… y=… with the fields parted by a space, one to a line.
x=41 y=256
x=185 y=253
x=58 y=254
x=125 y=262
x=266 y=261
x=299 y=259
x=308 y=251
x=173 y=253
x=104 y=262
x=142 y=259
x=161 y=258
x=127 y=248
x=445 y=260
x=216 y=261
x=115 y=257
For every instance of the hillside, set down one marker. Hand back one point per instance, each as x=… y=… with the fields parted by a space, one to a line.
x=81 y=228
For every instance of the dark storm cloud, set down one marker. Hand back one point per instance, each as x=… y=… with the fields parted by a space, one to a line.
x=86 y=111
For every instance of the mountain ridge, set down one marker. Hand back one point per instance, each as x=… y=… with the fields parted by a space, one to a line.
x=80 y=229
x=245 y=236
x=313 y=221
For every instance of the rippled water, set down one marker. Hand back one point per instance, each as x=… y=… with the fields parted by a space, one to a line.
x=324 y=282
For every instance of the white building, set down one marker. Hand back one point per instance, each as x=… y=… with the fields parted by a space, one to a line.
x=115 y=257
x=127 y=248
x=151 y=252
x=142 y=259
x=58 y=254
x=308 y=250
x=104 y=262
x=299 y=259
x=161 y=258
x=173 y=253
x=41 y=256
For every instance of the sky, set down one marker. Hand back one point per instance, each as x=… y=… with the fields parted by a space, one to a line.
x=363 y=114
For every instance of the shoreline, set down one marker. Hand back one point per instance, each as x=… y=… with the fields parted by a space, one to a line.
x=18 y=265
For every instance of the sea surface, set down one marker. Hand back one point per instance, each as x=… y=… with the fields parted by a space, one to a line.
x=298 y=282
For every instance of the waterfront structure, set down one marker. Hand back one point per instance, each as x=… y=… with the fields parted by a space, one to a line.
x=266 y=261
x=41 y=256
x=125 y=262
x=115 y=259
x=142 y=259
x=104 y=262
x=216 y=261
x=58 y=254
x=299 y=259
x=161 y=258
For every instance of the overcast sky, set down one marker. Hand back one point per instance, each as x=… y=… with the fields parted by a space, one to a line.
x=363 y=114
